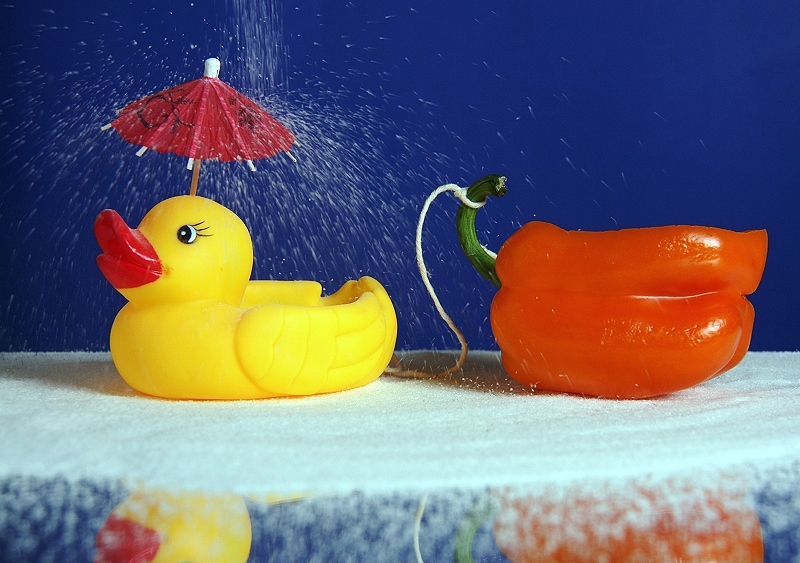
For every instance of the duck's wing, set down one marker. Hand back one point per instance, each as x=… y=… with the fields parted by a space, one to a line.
x=345 y=341
x=262 y=292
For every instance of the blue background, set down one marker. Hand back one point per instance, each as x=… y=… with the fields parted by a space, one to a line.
x=602 y=115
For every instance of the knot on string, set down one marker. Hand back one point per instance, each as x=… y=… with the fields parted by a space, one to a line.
x=461 y=194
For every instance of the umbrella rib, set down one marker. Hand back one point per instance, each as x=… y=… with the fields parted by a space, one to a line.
x=161 y=131
x=242 y=151
x=201 y=115
x=153 y=139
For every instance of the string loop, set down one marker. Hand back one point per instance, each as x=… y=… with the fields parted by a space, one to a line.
x=461 y=194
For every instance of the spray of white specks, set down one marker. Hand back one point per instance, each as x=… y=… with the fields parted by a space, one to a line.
x=341 y=211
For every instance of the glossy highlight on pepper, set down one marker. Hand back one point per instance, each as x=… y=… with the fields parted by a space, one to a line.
x=633 y=313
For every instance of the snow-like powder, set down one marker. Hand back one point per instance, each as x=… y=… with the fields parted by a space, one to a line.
x=72 y=415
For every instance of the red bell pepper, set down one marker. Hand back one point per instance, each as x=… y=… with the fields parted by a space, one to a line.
x=632 y=313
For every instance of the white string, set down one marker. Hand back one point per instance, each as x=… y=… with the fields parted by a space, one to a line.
x=461 y=194
x=418 y=525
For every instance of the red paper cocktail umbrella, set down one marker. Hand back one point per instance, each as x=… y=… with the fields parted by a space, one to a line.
x=204 y=119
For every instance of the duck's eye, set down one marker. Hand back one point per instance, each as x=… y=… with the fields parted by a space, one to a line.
x=187 y=234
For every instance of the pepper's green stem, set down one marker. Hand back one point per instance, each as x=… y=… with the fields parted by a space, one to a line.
x=483 y=261
x=484 y=510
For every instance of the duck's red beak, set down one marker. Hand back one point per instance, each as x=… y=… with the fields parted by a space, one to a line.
x=122 y=540
x=128 y=259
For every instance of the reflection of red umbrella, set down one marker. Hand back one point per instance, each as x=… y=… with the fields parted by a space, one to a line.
x=203 y=119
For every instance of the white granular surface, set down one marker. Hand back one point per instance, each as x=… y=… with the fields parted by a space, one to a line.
x=72 y=415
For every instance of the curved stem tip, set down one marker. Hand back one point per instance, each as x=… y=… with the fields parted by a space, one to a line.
x=482 y=260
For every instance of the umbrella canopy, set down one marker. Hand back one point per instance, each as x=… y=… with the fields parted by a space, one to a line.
x=204 y=119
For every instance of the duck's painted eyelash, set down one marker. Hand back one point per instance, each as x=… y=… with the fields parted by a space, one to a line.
x=197 y=229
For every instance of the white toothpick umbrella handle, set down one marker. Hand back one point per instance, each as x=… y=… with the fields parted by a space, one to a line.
x=211 y=71
x=212 y=68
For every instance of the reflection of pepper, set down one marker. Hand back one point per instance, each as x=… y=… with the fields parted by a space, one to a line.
x=674 y=520
x=630 y=314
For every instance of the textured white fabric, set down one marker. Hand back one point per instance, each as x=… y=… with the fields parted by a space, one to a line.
x=72 y=415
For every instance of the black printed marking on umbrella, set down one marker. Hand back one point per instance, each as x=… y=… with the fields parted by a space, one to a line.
x=173 y=102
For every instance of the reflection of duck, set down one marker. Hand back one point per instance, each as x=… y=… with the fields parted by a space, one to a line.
x=196 y=328
x=165 y=527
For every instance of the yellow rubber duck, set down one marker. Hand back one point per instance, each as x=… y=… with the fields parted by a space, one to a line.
x=155 y=526
x=195 y=327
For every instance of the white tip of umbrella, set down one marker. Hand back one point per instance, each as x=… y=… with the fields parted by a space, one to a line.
x=251 y=166
x=105 y=127
x=291 y=157
x=141 y=151
x=190 y=164
x=212 y=68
